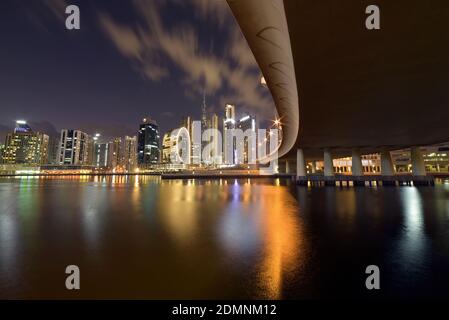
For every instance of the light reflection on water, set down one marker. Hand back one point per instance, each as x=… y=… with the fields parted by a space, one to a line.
x=142 y=237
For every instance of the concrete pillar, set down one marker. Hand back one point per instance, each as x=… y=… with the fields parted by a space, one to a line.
x=386 y=163
x=287 y=166
x=357 y=167
x=328 y=164
x=418 y=166
x=313 y=166
x=300 y=164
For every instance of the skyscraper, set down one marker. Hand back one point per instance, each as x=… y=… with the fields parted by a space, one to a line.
x=102 y=155
x=23 y=146
x=204 y=122
x=90 y=150
x=194 y=148
x=216 y=141
x=130 y=153
x=229 y=124
x=53 y=148
x=148 y=146
x=186 y=122
x=2 y=149
x=167 y=147
x=229 y=111
x=73 y=147
x=116 y=153
x=249 y=144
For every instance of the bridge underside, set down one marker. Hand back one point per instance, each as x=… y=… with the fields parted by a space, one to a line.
x=362 y=88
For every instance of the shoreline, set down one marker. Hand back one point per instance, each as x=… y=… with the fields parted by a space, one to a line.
x=440 y=175
x=162 y=175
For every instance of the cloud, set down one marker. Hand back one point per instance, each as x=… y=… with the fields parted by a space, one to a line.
x=126 y=40
x=155 y=48
x=57 y=7
x=212 y=10
x=240 y=52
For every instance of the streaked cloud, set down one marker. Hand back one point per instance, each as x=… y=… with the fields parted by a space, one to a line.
x=57 y=7
x=154 y=47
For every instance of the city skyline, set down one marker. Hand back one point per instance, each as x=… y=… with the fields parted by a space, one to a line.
x=114 y=95
x=221 y=156
x=75 y=147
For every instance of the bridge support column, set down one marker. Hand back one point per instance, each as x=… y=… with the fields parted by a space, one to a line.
x=387 y=168
x=301 y=173
x=328 y=168
x=287 y=166
x=357 y=168
x=418 y=167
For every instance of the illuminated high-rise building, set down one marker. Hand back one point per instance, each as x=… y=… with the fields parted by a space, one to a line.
x=130 y=153
x=204 y=122
x=216 y=140
x=187 y=123
x=229 y=123
x=148 y=144
x=248 y=125
x=90 y=150
x=53 y=148
x=23 y=146
x=116 y=153
x=167 y=147
x=73 y=148
x=102 y=158
x=229 y=111
x=2 y=149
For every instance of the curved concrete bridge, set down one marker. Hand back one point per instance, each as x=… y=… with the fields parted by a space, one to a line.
x=344 y=90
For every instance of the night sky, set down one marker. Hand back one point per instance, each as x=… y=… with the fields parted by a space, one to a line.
x=130 y=59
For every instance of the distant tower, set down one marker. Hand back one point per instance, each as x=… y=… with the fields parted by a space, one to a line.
x=204 y=123
x=130 y=153
x=73 y=148
x=23 y=146
x=229 y=124
x=148 y=144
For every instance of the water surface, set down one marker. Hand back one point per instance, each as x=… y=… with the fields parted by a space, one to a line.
x=140 y=237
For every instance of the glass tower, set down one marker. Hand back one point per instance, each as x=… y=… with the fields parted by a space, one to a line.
x=148 y=146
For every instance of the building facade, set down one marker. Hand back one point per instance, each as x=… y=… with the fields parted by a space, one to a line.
x=23 y=146
x=102 y=158
x=148 y=144
x=249 y=143
x=73 y=148
x=2 y=149
x=167 y=147
x=130 y=153
x=229 y=124
x=216 y=141
x=116 y=153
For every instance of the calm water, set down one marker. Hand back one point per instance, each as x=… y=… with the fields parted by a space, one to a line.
x=146 y=238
